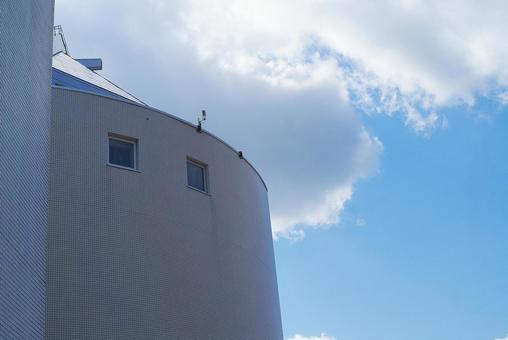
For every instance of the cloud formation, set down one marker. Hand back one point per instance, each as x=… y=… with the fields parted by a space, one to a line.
x=323 y=336
x=394 y=56
x=505 y=338
x=284 y=80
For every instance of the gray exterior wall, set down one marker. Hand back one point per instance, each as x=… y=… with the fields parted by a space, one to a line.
x=139 y=255
x=25 y=80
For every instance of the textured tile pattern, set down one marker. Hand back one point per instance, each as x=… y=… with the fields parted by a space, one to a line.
x=139 y=255
x=25 y=80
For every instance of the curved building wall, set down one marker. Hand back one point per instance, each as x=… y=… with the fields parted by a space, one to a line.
x=25 y=103
x=138 y=254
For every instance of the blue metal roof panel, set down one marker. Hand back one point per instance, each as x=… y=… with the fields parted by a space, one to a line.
x=71 y=73
x=66 y=80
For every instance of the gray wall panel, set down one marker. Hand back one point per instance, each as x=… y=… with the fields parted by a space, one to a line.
x=139 y=255
x=25 y=80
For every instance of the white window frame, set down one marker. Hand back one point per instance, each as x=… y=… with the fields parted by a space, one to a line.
x=203 y=166
x=124 y=139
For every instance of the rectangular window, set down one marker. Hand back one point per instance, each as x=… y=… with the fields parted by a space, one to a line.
x=122 y=152
x=196 y=175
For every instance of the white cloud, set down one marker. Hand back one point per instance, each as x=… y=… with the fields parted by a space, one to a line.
x=281 y=79
x=360 y=222
x=323 y=336
x=503 y=97
x=505 y=338
x=415 y=55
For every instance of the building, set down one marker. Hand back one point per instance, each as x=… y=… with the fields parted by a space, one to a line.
x=25 y=108
x=156 y=228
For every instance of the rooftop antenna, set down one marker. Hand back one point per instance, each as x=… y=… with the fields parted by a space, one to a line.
x=201 y=119
x=59 y=43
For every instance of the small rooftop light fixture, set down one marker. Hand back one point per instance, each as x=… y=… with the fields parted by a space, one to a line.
x=201 y=119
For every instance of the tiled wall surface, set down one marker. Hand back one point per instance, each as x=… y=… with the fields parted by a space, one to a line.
x=25 y=80
x=138 y=254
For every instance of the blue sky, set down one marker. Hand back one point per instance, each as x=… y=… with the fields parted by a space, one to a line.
x=431 y=261
x=379 y=127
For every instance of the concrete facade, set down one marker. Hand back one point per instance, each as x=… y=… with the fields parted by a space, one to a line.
x=25 y=106
x=139 y=254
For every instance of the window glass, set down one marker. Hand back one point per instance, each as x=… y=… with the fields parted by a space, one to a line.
x=122 y=153
x=196 y=176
